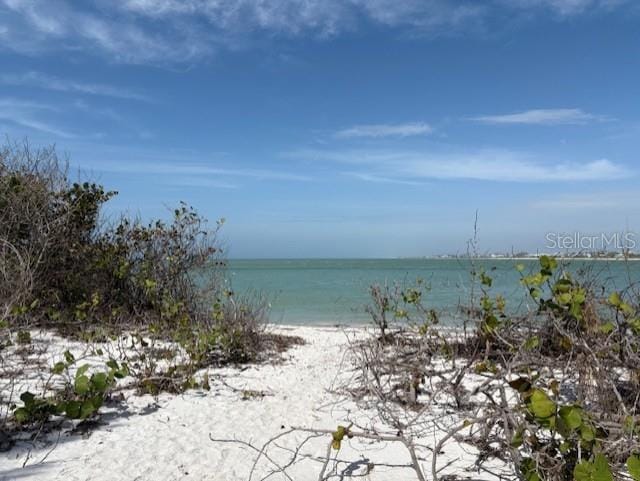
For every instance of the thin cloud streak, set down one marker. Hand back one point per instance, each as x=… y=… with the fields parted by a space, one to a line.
x=594 y=201
x=484 y=165
x=541 y=117
x=43 y=81
x=381 y=180
x=27 y=113
x=194 y=170
x=386 y=130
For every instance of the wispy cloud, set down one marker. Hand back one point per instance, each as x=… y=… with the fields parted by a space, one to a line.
x=37 y=26
x=381 y=180
x=199 y=182
x=28 y=114
x=170 y=31
x=43 y=81
x=541 y=117
x=196 y=169
x=386 y=130
x=483 y=165
x=592 y=201
x=566 y=7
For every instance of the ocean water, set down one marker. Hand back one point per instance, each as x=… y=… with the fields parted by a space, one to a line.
x=335 y=291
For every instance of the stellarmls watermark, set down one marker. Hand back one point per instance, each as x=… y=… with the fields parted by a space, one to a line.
x=603 y=241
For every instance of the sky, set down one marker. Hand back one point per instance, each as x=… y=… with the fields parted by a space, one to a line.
x=340 y=128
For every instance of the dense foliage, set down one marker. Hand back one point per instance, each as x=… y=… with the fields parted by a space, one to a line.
x=161 y=283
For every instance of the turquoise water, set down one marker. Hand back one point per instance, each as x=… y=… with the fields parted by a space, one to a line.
x=334 y=291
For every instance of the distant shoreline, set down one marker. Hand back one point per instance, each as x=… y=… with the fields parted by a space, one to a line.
x=535 y=258
x=429 y=258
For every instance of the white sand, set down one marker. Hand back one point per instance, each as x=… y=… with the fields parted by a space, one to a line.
x=170 y=440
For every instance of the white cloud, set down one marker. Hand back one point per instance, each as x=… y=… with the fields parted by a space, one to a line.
x=36 y=26
x=567 y=7
x=381 y=180
x=40 y=80
x=540 y=117
x=28 y=114
x=386 y=130
x=484 y=165
x=591 y=201
x=178 y=31
x=195 y=169
x=199 y=182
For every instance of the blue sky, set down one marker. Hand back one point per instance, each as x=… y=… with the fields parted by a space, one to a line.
x=337 y=128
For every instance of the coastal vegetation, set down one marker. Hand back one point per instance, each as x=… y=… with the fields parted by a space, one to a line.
x=551 y=393
x=153 y=294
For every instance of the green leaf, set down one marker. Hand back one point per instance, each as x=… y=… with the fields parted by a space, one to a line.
x=583 y=471
x=73 y=408
x=82 y=385
x=602 y=470
x=532 y=343
x=485 y=279
x=615 y=299
x=607 y=327
x=521 y=384
x=27 y=398
x=626 y=309
x=112 y=364
x=516 y=440
x=97 y=401
x=565 y=298
x=100 y=381
x=548 y=263
x=58 y=367
x=596 y=470
x=21 y=415
x=540 y=404
x=69 y=357
x=81 y=370
x=571 y=416
x=587 y=433
x=338 y=436
x=633 y=465
x=528 y=469
x=563 y=285
x=87 y=409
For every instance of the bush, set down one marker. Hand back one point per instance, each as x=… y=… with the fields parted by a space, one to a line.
x=553 y=394
x=61 y=267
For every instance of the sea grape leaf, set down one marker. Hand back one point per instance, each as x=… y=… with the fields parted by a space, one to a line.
x=21 y=415
x=27 y=398
x=571 y=416
x=72 y=408
x=596 y=470
x=607 y=327
x=82 y=385
x=633 y=465
x=58 y=367
x=521 y=384
x=82 y=370
x=87 y=409
x=540 y=404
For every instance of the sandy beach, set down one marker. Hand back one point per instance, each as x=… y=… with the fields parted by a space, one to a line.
x=169 y=437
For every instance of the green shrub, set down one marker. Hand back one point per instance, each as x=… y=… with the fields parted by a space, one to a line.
x=62 y=267
x=81 y=397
